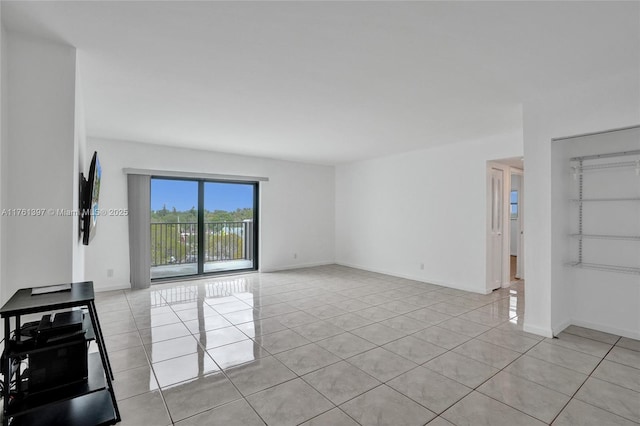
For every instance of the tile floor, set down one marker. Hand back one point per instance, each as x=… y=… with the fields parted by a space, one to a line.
x=339 y=346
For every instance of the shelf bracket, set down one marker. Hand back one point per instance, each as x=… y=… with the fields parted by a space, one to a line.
x=575 y=172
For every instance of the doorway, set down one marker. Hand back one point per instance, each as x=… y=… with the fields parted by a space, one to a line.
x=496 y=226
x=516 y=228
x=202 y=227
x=505 y=220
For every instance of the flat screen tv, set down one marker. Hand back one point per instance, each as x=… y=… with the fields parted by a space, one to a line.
x=90 y=193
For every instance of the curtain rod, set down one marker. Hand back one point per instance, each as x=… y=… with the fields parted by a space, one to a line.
x=196 y=175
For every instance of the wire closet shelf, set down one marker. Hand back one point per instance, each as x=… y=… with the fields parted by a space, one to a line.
x=600 y=163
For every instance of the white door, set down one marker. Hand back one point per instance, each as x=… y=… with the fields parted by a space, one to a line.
x=496 y=228
x=520 y=249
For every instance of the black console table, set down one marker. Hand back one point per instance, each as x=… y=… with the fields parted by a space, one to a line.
x=91 y=402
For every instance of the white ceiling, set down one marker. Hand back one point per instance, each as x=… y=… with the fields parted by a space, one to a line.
x=326 y=82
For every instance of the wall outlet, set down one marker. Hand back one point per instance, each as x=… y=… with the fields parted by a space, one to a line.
x=422 y=266
x=109 y=273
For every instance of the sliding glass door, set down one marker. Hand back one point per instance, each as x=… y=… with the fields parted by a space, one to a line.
x=202 y=227
x=228 y=226
x=174 y=228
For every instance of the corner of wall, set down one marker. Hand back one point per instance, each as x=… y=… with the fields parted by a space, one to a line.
x=607 y=103
x=440 y=194
x=3 y=157
x=541 y=331
x=79 y=162
x=39 y=130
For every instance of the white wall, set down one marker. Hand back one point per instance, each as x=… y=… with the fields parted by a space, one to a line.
x=40 y=162
x=428 y=206
x=3 y=156
x=296 y=205
x=594 y=106
x=80 y=162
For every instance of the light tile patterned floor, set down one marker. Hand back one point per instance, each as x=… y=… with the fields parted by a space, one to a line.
x=338 y=346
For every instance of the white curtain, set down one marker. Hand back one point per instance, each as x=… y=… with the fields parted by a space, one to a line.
x=139 y=195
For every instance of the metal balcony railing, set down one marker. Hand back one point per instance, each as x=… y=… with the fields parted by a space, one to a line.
x=177 y=243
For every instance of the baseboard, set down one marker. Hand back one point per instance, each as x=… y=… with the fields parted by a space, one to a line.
x=540 y=331
x=101 y=288
x=296 y=266
x=557 y=329
x=412 y=277
x=632 y=334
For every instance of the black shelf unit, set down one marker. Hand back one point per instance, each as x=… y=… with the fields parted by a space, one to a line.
x=90 y=409
x=86 y=403
x=95 y=382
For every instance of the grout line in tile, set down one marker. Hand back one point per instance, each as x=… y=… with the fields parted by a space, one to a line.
x=363 y=284
x=153 y=371
x=585 y=381
x=204 y=349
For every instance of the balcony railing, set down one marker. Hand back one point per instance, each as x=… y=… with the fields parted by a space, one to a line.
x=177 y=243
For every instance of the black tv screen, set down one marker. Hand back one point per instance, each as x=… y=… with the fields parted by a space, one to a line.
x=90 y=208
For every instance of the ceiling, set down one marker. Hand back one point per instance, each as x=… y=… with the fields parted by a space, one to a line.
x=326 y=82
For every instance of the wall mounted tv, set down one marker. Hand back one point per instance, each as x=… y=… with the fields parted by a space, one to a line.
x=89 y=193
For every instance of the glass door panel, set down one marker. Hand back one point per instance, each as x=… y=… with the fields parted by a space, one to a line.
x=229 y=226
x=174 y=228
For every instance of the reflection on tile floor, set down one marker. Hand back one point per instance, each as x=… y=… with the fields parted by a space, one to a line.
x=338 y=346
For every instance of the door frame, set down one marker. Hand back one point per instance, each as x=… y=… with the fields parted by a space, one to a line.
x=200 y=219
x=520 y=239
x=506 y=231
x=506 y=190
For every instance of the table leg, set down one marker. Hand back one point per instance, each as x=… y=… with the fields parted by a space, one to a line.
x=18 y=335
x=6 y=369
x=98 y=332
x=18 y=338
x=103 y=356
